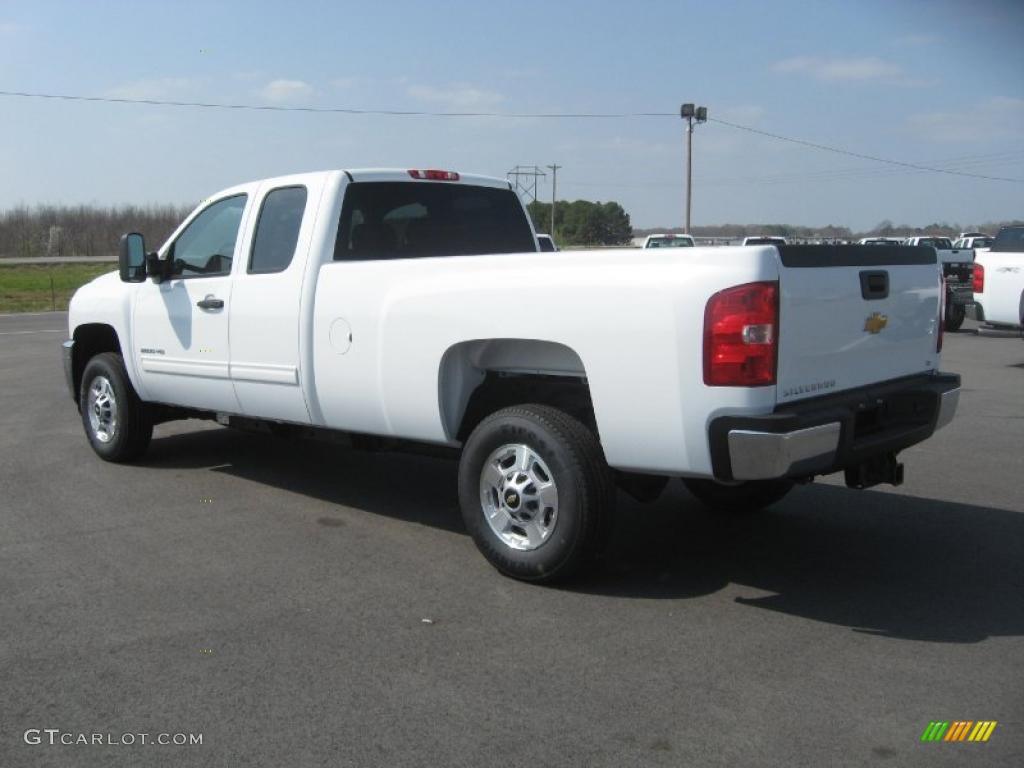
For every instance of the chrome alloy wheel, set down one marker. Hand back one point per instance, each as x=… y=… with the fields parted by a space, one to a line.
x=519 y=497
x=102 y=409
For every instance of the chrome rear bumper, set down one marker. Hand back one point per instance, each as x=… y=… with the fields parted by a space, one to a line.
x=765 y=455
x=822 y=435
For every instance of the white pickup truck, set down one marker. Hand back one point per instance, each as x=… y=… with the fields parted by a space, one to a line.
x=412 y=307
x=957 y=269
x=764 y=240
x=668 y=241
x=973 y=242
x=999 y=279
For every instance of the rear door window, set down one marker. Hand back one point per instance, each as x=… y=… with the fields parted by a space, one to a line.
x=414 y=219
x=277 y=230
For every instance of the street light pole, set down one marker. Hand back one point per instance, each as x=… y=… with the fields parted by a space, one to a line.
x=554 y=187
x=689 y=170
x=691 y=115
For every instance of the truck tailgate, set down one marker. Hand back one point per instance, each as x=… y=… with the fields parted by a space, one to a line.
x=854 y=315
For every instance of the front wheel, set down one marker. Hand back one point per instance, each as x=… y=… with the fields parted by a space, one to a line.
x=741 y=498
x=535 y=492
x=116 y=421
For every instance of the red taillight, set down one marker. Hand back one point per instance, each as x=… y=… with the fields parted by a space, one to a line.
x=741 y=336
x=433 y=175
x=978 y=278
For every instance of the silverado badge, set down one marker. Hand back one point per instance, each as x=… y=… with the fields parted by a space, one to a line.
x=876 y=322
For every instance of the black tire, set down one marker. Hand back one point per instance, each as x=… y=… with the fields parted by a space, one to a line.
x=571 y=454
x=130 y=433
x=955 y=314
x=740 y=499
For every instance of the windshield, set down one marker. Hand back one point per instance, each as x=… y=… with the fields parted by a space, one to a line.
x=942 y=243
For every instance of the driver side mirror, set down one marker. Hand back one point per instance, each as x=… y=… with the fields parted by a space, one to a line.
x=131 y=259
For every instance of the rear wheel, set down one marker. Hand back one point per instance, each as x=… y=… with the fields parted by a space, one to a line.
x=955 y=314
x=535 y=492
x=741 y=498
x=116 y=421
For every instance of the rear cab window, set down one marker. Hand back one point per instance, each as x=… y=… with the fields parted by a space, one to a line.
x=1010 y=239
x=415 y=219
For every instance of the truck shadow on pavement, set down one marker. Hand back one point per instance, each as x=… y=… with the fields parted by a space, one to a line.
x=878 y=562
x=419 y=489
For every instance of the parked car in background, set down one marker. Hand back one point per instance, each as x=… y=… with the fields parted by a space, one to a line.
x=668 y=241
x=764 y=240
x=974 y=242
x=999 y=279
x=546 y=243
x=880 y=241
x=957 y=264
x=963 y=235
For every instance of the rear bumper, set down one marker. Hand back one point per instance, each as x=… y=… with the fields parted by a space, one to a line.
x=959 y=293
x=828 y=434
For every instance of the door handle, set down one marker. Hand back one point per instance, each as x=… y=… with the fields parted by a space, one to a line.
x=210 y=302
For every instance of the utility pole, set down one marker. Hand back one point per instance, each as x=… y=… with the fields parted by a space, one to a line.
x=691 y=115
x=554 y=188
x=524 y=177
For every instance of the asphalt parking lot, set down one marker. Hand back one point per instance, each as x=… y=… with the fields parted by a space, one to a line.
x=272 y=596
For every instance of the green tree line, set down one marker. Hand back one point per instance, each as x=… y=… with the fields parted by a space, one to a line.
x=582 y=222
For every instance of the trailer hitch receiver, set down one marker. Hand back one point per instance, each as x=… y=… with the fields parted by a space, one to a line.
x=874 y=471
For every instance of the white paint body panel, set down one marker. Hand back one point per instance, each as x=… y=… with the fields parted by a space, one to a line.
x=619 y=314
x=1003 y=297
x=362 y=346
x=822 y=341
x=182 y=352
x=265 y=312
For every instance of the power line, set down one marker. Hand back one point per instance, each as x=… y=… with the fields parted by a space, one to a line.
x=334 y=110
x=862 y=156
x=856 y=173
x=503 y=115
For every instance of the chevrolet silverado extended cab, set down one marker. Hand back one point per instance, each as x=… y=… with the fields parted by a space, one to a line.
x=957 y=265
x=412 y=308
x=999 y=279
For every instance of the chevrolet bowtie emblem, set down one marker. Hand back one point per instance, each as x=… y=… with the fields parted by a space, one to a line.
x=876 y=322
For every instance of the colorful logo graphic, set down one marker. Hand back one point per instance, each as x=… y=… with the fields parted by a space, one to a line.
x=958 y=730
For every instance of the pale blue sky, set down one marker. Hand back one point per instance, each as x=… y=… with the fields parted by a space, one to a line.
x=938 y=83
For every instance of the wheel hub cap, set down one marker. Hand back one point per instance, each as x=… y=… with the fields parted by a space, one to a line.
x=519 y=497
x=102 y=409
